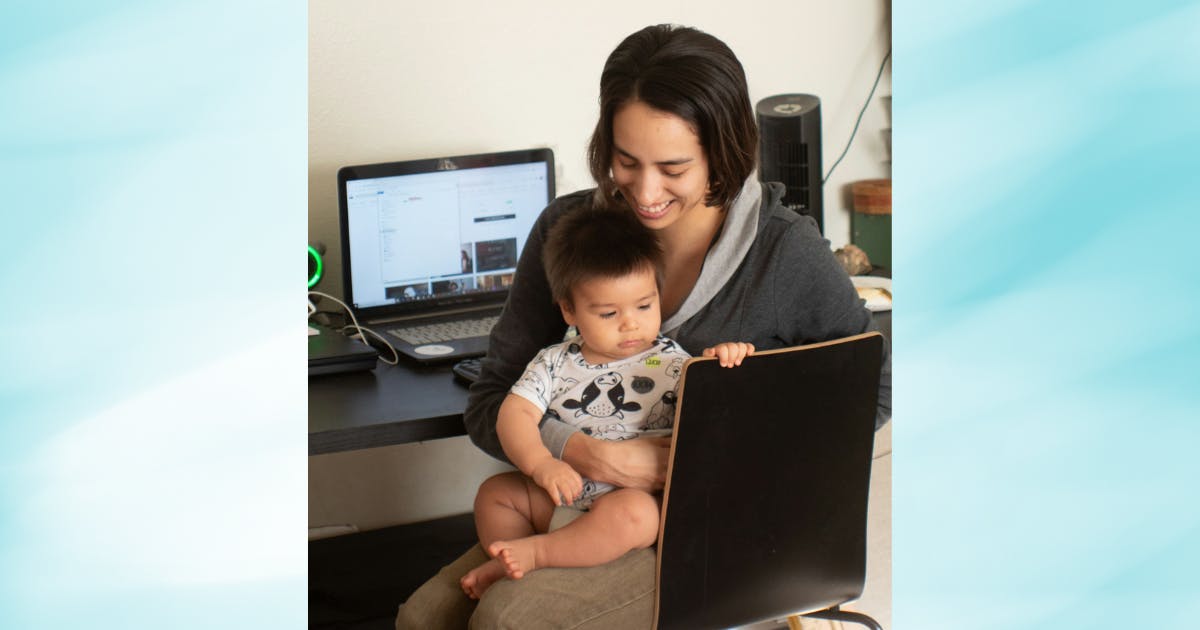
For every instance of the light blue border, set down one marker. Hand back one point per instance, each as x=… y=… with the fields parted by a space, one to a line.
x=153 y=453
x=1048 y=319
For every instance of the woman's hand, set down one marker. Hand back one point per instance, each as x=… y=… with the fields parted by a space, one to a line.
x=640 y=464
x=558 y=479
x=730 y=353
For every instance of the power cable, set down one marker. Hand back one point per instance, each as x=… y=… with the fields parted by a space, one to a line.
x=860 y=115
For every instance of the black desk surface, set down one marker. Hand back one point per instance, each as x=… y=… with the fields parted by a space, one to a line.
x=399 y=404
x=385 y=406
x=407 y=403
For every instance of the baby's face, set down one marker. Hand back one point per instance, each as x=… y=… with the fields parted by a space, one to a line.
x=617 y=317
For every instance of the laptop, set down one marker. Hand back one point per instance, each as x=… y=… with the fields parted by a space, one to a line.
x=331 y=352
x=429 y=246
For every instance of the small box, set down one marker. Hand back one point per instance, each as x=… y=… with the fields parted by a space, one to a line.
x=871 y=222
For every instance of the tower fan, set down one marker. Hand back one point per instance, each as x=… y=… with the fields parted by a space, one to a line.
x=789 y=151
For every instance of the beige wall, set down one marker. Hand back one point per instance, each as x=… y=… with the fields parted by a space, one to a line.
x=400 y=80
x=378 y=487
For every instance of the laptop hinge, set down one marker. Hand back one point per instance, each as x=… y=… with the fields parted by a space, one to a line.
x=458 y=311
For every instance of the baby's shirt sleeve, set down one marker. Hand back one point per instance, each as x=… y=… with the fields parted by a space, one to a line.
x=534 y=384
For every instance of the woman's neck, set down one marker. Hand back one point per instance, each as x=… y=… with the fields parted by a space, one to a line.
x=685 y=244
x=692 y=233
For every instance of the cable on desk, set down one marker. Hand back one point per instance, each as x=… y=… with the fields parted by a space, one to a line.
x=361 y=336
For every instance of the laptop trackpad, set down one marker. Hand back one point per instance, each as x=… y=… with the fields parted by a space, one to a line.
x=433 y=350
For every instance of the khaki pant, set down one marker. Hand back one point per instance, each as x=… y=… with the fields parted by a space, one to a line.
x=619 y=594
x=615 y=596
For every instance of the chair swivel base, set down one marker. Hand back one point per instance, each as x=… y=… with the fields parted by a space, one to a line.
x=836 y=614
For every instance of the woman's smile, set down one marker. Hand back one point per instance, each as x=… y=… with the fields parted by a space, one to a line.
x=656 y=211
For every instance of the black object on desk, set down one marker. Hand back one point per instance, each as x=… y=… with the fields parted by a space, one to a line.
x=469 y=370
x=330 y=352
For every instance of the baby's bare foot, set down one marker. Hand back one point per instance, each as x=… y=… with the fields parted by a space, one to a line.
x=518 y=556
x=477 y=581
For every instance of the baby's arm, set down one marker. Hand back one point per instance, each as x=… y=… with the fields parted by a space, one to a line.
x=730 y=353
x=517 y=428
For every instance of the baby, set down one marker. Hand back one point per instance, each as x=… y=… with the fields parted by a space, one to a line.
x=616 y=380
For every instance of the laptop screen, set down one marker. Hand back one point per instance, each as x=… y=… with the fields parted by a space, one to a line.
x=425 y=233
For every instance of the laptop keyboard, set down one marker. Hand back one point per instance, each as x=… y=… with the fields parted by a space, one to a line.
x=446 y=331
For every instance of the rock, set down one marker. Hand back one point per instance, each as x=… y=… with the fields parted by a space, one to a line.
x=854 y=260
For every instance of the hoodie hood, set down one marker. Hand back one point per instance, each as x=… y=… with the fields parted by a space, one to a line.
x=741 y=226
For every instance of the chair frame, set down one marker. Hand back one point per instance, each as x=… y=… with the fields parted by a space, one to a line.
x=796 y=531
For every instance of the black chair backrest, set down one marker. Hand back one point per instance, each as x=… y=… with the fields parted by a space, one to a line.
x=765 y=509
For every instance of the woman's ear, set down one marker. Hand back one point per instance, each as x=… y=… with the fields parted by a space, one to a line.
x=568 y=311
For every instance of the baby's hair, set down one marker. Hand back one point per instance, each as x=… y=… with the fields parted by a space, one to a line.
x=605 y=242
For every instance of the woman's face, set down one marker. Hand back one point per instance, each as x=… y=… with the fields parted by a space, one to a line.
x=658 y=164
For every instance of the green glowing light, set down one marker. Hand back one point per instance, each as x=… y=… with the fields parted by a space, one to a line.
x=313 y=256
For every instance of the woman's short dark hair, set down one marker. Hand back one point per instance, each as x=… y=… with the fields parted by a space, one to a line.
x=695 y=76
x=598 y=242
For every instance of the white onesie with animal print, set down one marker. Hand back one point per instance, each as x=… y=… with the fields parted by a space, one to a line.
x=620 y=400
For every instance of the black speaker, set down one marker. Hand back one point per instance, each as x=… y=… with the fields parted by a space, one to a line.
x=789 y=151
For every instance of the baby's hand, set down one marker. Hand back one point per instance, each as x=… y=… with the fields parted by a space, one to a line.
x=558 y=479
x=730 y=353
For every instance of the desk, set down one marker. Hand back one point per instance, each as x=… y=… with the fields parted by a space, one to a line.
x=399 y=404
x=385 y=406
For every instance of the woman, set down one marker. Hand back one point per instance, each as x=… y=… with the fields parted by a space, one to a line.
x=676 y=142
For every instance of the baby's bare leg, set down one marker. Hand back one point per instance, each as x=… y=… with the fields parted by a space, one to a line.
x=510 y=505
x=619 y=521
x=507 y=505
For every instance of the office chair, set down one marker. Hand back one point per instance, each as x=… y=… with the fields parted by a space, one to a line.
x=765 y=507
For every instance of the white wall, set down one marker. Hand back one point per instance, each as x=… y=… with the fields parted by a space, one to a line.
x=399 y=80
